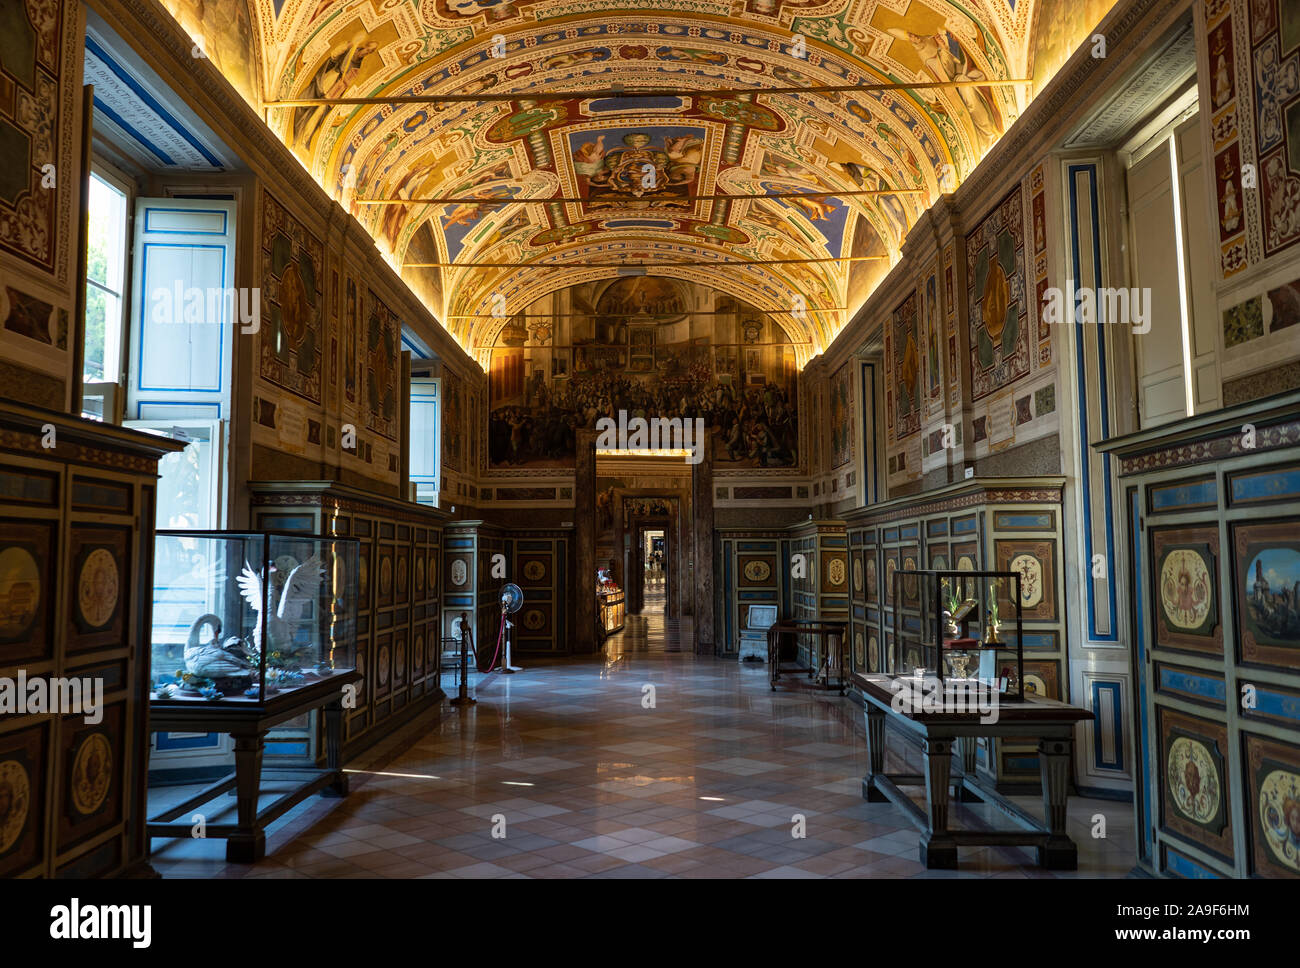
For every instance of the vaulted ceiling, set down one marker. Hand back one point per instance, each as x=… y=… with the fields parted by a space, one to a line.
x=627 y=174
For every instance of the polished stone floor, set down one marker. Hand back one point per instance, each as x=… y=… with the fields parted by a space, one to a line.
x=645 y=762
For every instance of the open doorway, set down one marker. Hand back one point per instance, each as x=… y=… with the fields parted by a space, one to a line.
x=655 y=563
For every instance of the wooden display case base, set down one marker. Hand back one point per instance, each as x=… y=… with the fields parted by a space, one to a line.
x=248 y=725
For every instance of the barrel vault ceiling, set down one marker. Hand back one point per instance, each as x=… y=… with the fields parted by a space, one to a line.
x=592 y=152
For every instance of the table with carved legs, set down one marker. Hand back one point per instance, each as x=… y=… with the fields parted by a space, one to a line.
x=941 y=733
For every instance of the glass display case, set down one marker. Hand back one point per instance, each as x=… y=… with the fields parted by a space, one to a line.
x=240 y=618
x=958 y=627
x=611 y=604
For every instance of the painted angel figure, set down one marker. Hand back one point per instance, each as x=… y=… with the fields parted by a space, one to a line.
x=293 y=587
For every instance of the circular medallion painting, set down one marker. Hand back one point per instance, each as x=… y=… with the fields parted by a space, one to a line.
x=363 y=576
x=92 y=773
x=20 y=592
x=835 y=571
x=385 y=575
x=873 y=654
x=939 y=562
x=1193 y=780
x=401 y=572
x=534 y=619
x=859 y=652
x=909 y=581
x=419 y=575
x=965 y=563
x=97 y=588
x=534 y=570
x=399 y=667
x=418 y=653
x=871 y=573
x=890 y=567
x=381 y=669
x=756 y=569
x=1185 y=589
x=433 y=571
x=1279 y=815
x=1034 y=685
x=15 y=802
x=1031 y=579
x=459 y=572
x=857 y=580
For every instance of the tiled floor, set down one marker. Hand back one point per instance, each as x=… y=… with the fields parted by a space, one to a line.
x=646 y=762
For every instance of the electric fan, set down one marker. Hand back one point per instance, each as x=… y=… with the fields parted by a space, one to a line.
x=512 y=599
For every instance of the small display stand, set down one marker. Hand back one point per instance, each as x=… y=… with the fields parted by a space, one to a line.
x=960 y=627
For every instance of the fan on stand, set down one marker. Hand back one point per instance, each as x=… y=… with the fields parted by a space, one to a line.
x=512 y=599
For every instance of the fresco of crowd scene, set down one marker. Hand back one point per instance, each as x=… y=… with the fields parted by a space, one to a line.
x=755 y=426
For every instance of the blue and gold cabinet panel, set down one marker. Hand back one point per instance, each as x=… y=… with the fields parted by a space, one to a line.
x=76 y=531
x=399 y=590
x=1213 y=540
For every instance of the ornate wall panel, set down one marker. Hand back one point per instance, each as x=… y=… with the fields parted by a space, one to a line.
x=1211 y=538
x=400 y=600
x=76 y=543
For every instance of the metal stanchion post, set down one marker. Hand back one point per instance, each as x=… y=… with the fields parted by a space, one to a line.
x=462 y=698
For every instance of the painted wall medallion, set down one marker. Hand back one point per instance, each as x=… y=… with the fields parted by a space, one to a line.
x=873 y=654
x=459 y=572
x=399 y=663
x=857 y=579
x=534 y=570
x=534 y=619
x=1186 y=591
x=872 y=591
x=891 y=566
x=1267 y=577
x=836 y=571
x=757 y=570
x=15 y=802
x=417 y=651
x=859 y=650
x=21 y=593
x=419 y=575
x=1042 y=678
x=363 y=576
x=1031 y=579
x=92 y=774
x=1035 y=562
x=381 y=666
x=1193 y=780
x=402 y=572
x=1273 y=784
x=433 y=570
x=98 y=588
x=911 y=585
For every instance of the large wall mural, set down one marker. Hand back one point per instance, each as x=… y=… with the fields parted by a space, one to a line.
x=30 y=126
x=997 y=308
x=290 y=343
x=637 y=346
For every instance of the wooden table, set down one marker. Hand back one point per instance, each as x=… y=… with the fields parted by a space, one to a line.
x=248 y=723
x=1051 y=723
x=799 y=626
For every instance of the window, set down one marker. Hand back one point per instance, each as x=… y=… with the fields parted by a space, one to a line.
x=105 y=283
x=423 y=427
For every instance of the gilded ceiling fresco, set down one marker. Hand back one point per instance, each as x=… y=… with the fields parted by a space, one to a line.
x=631 y=176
